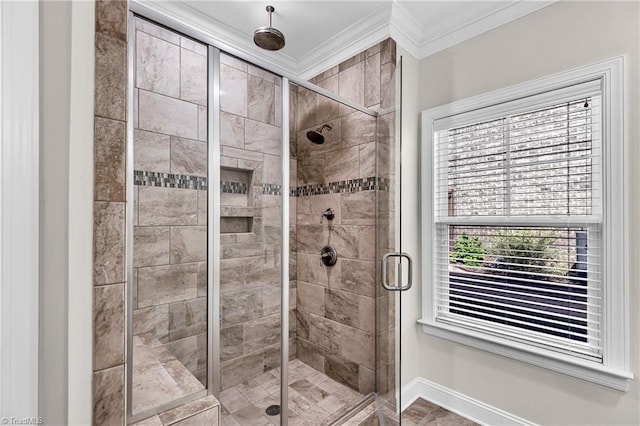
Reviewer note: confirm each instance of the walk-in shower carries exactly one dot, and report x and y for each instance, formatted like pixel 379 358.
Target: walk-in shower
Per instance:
pixel 232 293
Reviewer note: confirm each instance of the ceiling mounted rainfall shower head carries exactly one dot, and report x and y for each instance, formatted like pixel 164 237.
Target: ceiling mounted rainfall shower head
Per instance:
pixel 315 136
pixel 268 38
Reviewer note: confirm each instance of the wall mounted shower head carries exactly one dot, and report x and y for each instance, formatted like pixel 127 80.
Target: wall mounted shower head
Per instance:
pixel 268 38
pixel 315 136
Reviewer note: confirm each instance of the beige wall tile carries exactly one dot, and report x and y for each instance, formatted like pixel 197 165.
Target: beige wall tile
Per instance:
pixel 231 342
pixel 358 346
pixel 372 81
pixel 154 319
pixel 202 123
pixel 261 100
pixel 157 65
pixel 193 76
pixel 310 298
pixel 111 18
pixel 358 128
pixel 233 62
pixel 241 306
pixel 157 31
pixel 341 164
pixel 231 130
pixel 358 276
pixel 262 271
pixel 187 318
pixel 151 152
pixel 108 243
pixel 261 332
pixel 188 244
pixel 311 170
pixel 109 327
pixel 202 279
pixel 111 77
pixel 194 46
pixel 387 85
pixel 354 60
pixel 231 275
pixel 202 208
pixel 110 137
pixel 306 111
pixel 186 351
pixel 261 137
pixel 162 114
pixel 233 90
pixel 342 370
pixel 310 354
pixel 328 109
pixel 165 284
pixel 358 208
pixel 325 333
pixel 368 159
pixel 150 245
pixel 351 83
pixel 366 380
pixel 241 369
pixel 167 206
pixel 108 396
pixel 188 157
pixel 272 169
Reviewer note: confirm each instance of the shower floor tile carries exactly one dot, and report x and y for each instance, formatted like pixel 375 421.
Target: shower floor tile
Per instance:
pixel 314 398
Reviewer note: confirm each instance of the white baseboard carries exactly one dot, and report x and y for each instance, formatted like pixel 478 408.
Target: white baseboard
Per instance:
pixel 458 403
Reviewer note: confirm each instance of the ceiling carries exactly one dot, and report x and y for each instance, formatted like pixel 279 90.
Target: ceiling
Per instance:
pixel 320 34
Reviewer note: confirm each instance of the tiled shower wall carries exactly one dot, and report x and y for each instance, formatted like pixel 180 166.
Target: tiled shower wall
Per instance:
pixel 336 306
pixel 170 199
pixel 251 145
pixel 109 213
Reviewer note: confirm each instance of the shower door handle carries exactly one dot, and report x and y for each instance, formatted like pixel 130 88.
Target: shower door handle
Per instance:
pixel 398 286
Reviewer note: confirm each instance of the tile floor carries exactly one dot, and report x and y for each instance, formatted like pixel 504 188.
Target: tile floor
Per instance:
pixel 422 412
pixel 314 399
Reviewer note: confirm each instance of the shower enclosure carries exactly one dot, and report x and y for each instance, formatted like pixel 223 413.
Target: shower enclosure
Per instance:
pixel 243 184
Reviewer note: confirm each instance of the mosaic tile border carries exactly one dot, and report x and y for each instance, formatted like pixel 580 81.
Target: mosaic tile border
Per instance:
pixel 170 180
pixel 343 186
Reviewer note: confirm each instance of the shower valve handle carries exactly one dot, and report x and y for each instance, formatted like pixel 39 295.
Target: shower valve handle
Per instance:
pixel 329 214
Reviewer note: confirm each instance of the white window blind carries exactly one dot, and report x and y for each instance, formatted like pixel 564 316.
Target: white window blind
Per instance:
pixel 517 207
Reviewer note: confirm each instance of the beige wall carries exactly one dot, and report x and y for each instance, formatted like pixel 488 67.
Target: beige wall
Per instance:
pixel 557 38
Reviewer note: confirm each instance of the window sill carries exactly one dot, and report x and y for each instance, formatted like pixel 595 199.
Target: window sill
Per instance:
pixel 582 369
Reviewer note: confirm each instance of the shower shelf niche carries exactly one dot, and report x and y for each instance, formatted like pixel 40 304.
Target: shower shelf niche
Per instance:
pixel 237 211
pixel 236 220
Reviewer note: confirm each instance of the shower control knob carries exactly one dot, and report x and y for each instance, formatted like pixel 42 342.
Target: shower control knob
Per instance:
pixel 328 255
pixel 329 214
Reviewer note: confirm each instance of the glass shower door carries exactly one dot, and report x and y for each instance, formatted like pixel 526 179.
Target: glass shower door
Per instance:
pixel 166 221
pixel 394 266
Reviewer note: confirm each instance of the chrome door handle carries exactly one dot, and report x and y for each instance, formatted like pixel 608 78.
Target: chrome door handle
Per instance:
pixel 399 286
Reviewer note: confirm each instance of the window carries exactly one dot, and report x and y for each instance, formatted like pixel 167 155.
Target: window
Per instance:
pixel 522 223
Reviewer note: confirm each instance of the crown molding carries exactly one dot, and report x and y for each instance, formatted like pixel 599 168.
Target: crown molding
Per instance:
pixel 487 22
pixel 391 19
pixel 366 32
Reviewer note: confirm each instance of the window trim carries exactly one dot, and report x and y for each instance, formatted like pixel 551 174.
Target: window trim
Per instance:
pixel 614 371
